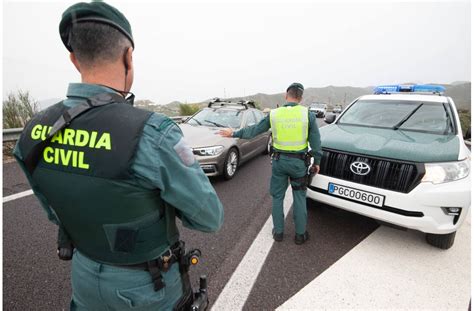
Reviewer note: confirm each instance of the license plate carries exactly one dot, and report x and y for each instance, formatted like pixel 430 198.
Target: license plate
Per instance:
pixel 356 195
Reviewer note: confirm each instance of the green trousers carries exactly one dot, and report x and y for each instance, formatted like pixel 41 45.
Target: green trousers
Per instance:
pixel 97 286
pixel 282 170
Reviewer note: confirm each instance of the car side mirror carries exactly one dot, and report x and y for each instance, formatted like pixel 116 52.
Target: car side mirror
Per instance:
pixel 330 118
pixel 467 136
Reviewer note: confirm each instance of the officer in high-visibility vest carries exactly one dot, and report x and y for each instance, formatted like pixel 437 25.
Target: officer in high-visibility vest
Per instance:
pixel 115 177
pixel 293 127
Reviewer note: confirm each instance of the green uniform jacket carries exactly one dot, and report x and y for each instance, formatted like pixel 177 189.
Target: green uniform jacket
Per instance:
pixel 314 138
pixel 162 162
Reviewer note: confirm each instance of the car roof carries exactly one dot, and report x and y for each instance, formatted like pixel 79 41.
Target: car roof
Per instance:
pixel 407 97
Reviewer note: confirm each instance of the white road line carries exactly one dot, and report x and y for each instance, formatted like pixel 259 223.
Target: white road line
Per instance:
pixel 17 196
pixel 238 288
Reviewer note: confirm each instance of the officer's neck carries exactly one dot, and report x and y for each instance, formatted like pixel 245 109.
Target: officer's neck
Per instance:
pixel 113 78
pixel 292 100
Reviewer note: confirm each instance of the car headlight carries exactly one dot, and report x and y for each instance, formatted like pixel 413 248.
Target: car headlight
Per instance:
pixel 209 151
pixel 438 173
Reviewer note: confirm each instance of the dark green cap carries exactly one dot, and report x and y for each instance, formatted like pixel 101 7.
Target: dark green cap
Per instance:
pixel 99 12
pixel 295 85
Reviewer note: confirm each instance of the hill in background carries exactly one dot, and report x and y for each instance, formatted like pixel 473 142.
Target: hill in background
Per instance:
pixel 331 95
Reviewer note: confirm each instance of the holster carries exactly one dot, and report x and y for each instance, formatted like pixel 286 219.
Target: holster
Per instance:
pixel 185 302
pixel 191 300
pixel 65 245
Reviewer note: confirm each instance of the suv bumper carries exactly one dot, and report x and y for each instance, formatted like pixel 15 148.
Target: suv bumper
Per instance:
pixel 403 209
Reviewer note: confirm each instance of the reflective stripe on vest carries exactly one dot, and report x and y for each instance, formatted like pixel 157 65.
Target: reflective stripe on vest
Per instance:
pixel 290 128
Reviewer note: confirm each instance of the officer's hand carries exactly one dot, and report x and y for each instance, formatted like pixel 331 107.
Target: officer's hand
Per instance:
pixel 226 132
pixel 316 169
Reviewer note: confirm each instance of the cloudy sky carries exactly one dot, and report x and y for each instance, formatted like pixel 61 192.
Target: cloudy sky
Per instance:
pixel 194 50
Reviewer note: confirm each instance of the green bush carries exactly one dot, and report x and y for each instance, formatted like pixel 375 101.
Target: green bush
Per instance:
pixel 18 109
pixel 465 118
pixel 188 109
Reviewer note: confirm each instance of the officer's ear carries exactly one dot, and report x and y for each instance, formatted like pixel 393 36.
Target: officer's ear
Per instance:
pixel 73 59
pixel 128 59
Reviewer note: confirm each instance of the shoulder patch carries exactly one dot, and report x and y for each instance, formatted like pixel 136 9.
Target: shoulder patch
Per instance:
pixel 184 152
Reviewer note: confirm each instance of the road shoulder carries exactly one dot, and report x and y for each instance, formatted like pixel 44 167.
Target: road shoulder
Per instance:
pixel 397 270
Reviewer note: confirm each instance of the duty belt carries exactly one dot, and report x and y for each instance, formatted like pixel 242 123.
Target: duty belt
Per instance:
pixel 158 265
pixel 301 156
pixel 163 262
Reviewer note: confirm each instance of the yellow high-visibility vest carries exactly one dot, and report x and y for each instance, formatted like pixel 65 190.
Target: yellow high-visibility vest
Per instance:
pixel 290 128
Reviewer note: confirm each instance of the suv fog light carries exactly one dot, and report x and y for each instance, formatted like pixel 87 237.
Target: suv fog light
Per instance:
pixel 452 211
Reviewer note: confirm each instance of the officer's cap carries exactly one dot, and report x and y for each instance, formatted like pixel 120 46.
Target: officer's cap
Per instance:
pixel 297 85
pixel 99 12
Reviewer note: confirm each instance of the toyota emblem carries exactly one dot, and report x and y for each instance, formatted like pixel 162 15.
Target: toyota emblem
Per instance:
pixel 360 168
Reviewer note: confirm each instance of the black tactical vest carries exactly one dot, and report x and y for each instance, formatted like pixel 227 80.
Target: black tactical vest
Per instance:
pixel 85 175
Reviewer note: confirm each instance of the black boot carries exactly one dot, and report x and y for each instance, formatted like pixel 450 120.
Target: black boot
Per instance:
pixel 301 238
pixel 278 237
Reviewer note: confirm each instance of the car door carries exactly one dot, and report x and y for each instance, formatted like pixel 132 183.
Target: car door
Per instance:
pixel 247 145
pixel 262 139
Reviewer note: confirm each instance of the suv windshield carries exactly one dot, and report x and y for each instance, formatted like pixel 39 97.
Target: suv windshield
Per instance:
pixel 217 118
pixel 428 117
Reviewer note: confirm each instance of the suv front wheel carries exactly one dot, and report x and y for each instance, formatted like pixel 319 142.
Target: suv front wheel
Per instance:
pixel 443 241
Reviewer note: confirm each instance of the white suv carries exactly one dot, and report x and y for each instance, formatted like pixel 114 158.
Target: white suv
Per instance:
pixel 398 156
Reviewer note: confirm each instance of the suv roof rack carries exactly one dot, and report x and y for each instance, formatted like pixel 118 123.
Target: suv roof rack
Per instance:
pixel 410 89
pixel 220 103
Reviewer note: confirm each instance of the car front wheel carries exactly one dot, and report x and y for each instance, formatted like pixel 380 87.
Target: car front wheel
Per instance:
pixel 231 163
pixel 443 241
pixel 269 147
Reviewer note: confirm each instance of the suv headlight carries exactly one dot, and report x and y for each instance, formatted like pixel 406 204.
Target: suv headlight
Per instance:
pixel 209 151
pixel 438 173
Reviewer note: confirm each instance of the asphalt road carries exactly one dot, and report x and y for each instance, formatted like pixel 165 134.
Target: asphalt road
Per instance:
pixel 34 279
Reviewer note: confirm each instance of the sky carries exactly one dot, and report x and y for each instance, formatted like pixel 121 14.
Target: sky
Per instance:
pixel 191 51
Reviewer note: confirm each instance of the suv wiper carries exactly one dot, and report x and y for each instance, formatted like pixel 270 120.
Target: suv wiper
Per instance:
pixel 193 118
pixel 215 123
pixel 397 126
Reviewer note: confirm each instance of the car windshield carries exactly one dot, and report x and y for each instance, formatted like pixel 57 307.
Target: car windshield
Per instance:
pixel 217 117
pixel 428 117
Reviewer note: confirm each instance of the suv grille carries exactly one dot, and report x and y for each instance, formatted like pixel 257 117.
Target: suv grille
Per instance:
pixel 385 173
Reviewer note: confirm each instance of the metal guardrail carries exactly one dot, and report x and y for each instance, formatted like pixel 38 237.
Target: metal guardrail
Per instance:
pixel 14 134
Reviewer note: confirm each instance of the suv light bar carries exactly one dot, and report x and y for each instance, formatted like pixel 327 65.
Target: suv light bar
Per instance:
pixel 416 88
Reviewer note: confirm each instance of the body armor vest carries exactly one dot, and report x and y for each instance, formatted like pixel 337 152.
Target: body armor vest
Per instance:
pixel 85 174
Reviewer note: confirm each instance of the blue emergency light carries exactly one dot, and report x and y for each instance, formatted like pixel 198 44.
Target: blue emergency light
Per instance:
pixel 416 88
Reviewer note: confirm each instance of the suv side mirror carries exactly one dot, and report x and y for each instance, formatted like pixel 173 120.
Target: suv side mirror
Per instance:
pixel 467 136
pixel 330 118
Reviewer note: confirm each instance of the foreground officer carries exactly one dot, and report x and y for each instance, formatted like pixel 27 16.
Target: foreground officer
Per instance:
pixel 114 177
pixel 292 127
